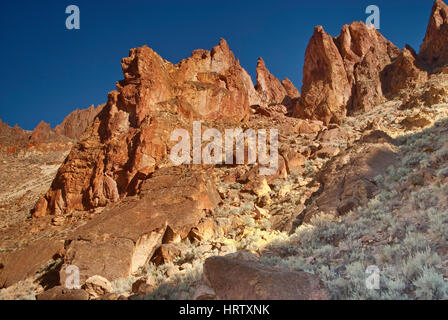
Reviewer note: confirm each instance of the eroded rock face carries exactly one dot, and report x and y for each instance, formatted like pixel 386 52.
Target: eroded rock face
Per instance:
pixel 343 75
pixel 236 279
pixel 26 262
pixel 269 88
pixel 349 180
pixel 130 136
pixel 403 73
pixel 291 90
pixel 12 138
pixel 43 133
pixel 77 122
pixel 434 49
pixel 123 239
pixel 325 90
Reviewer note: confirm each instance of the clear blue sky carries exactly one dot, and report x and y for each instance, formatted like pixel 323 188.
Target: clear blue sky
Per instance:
pixel 47 71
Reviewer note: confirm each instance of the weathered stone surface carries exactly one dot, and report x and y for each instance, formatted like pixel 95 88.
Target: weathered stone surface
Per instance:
pixel 166 253
pixel 367 89
pixel 325 90
pixel 204 292
pixel 12 138
pixel 97 286
pixel 348 179
pixel 291 90
pixel 27 262
pixel 43 133
pixel 61 293
pixel 365 53
pixel 434 49
pixel 416 121
pixel 403 73
pixel 142 286
pixel 130 136
pixel 235 279
pixel 77 122
pixel 342 75
pixel 269 88
pixel 118 242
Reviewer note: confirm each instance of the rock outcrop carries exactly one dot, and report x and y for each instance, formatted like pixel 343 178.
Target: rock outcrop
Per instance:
pixel 343 75
pixel 12 138
pixel 118 242
pixel 43 133
pixel 130 136
pixel 269 88
pixel 403 73
pixel 349 180
pixel 77 122
pixel 434 49
pixel 291 90
pixel 325 90
pixel 236 279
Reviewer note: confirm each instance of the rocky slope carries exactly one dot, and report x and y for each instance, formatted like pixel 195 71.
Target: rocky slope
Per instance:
pixel 361 180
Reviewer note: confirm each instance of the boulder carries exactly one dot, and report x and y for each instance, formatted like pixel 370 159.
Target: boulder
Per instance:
pixel 235 279
pixel 62 293
pixel 97 286
pixel 124 238
pixel 28 261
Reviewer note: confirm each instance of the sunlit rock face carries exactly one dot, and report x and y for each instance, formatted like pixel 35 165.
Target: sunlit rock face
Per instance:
pixel 434 49
pixel 130 135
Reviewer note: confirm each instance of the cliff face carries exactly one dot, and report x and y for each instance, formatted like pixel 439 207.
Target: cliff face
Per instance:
pixel 77 122
pixel 343 75
pixel 130 136
pixel 434 49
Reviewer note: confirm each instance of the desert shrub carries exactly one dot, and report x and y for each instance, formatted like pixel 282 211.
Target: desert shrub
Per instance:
pixel 416 263
pixel 424 198
pixel 438 223
pixel 414 242
pixel 442 173
pixel 430 285
pixel 123 285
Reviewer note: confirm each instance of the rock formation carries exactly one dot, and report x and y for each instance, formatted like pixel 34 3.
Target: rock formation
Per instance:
pixel 403 73
pixel 269 88
pixel 77 122
pixel 342 75
pixel 12 138
pixel 434 49
pixel 291 90
pixel 130 136
pixel 325 90
pixel 236 279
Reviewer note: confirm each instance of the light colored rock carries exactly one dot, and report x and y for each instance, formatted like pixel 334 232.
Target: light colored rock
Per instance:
pixel 97 286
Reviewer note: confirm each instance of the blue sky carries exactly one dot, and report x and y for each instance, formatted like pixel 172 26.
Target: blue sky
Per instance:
pixel 48 71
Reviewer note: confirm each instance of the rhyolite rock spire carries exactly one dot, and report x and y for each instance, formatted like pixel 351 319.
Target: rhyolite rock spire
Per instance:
pixel 325 90
pixel 434 49
pixel 343 75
